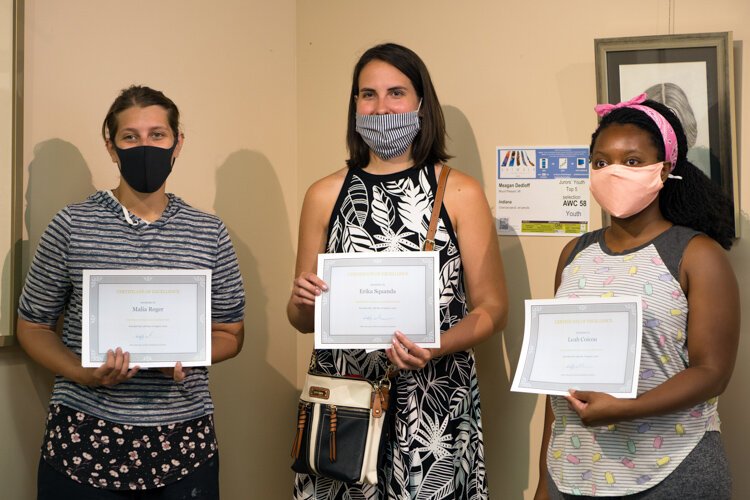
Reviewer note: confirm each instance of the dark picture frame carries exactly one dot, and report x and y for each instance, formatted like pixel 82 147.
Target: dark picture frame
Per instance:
pixel 11 126
pixel 694 75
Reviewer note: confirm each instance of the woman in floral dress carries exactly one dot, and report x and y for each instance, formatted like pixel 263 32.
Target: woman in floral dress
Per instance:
pixel 382 201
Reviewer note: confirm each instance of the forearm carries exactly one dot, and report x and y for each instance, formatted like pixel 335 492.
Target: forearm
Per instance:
pixel 301 317
pixel 476 327
pixel 45 347
pixel 688 388
pixel 226 341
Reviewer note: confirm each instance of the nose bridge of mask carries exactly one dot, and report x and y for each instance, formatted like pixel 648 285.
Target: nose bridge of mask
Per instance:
pixel 645 174
pixel 130 154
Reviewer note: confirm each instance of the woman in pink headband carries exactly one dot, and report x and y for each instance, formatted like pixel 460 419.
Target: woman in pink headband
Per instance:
pixel 668 224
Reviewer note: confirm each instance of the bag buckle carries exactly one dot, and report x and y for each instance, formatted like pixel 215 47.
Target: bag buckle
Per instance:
pixel 319 392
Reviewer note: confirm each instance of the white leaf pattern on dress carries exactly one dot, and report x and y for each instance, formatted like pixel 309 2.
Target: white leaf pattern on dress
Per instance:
pixel 395 242
pixel 413 209
pixel 424 184
pixel 356 204
pixel 333 239
pixel 449 281
pixel 382 209
pixel 355 239
pixel 434 486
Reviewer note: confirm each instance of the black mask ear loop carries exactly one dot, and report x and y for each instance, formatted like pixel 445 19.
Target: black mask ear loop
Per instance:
pixel 174 148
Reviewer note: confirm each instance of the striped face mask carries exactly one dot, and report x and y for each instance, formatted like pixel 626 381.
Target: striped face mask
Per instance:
pixel 389 136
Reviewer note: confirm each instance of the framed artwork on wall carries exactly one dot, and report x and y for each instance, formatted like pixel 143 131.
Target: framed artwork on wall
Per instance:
pixel 693 74
pixel 11 33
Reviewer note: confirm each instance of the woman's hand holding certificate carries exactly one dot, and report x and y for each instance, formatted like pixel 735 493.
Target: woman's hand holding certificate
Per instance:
pixel 596 408
pixel 406 355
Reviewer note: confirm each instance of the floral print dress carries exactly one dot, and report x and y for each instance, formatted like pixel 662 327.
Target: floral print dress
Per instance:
pixel 436 449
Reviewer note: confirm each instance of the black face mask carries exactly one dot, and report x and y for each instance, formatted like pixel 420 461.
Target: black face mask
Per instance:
pixel 145 168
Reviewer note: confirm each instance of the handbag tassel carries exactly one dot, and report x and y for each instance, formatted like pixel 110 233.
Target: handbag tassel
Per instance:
pixel 301 421
pixel 332 441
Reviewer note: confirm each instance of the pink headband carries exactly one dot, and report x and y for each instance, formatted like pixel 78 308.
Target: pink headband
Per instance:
pixel 667 132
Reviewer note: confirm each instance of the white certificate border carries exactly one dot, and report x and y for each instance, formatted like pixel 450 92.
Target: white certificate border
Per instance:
pixel 431 262
pixel 630 304
pixel 92 278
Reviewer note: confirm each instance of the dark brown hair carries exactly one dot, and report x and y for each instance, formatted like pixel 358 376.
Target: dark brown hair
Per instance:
pixel 429 145
pixel 141 96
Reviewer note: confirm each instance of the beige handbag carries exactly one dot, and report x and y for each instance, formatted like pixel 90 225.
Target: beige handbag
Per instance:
pixel 340 427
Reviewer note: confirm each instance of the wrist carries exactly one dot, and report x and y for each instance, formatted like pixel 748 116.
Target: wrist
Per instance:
pixel 84 376
pixel 627 409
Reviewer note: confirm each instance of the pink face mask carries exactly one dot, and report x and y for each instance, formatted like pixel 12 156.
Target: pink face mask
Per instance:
pixel 624 191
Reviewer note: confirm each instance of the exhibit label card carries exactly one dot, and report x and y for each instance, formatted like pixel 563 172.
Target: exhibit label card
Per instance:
pixel 371 295
pixel 591 344
pixel 158 316
pixel 542 191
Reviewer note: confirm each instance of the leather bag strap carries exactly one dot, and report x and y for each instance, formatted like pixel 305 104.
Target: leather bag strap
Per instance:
pixel 429 242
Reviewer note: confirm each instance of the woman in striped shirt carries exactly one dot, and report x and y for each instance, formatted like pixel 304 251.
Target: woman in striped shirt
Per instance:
pixel 117 428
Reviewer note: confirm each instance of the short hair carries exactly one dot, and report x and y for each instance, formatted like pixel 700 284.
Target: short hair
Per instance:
pixel 429 144
pixel 140 96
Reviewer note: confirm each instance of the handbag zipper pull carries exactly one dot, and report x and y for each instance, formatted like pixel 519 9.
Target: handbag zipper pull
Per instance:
pixel 332 442
pixel 301 421
pixel 385 396
pixel 380 397
pixel 376 402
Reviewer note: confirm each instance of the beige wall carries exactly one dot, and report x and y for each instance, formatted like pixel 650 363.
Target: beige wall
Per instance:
pixel 263 90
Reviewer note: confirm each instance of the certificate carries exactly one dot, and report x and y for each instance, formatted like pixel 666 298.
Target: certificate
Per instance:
pixel 158 316
pixel 590 344
pixel 371 295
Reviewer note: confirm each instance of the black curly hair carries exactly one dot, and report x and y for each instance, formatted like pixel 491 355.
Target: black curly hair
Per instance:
pixel 695 201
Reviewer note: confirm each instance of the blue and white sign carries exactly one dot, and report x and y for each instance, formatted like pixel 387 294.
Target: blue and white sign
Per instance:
pixel 542 191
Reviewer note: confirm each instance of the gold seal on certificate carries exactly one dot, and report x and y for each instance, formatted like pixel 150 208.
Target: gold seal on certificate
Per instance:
pixel 590 344
pixel 371 295
pixel 158 316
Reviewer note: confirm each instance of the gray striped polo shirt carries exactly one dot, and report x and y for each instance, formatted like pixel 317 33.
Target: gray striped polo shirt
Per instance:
pixel 95 234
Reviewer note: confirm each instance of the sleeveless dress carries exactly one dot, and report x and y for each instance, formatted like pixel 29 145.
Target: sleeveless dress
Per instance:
pixel 436 449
